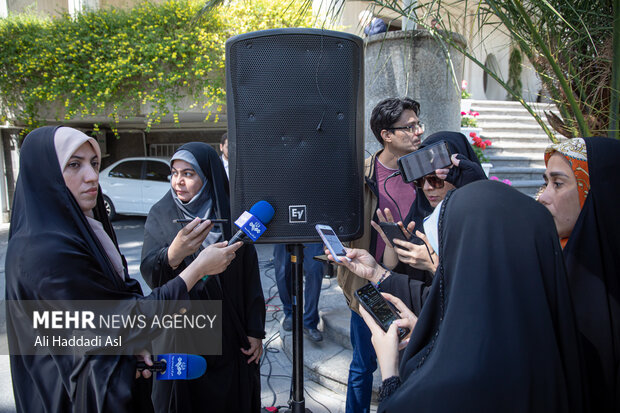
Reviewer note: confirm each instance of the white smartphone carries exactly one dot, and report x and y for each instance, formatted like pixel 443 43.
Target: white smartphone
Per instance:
pixel 332 242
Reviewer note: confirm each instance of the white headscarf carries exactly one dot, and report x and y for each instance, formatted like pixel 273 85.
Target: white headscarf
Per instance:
pixel 66 142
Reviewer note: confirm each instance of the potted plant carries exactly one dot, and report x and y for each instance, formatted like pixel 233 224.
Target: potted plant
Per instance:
pixel 469 124
pixel 479 146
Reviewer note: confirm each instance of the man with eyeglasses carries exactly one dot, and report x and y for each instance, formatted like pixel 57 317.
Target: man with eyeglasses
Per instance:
pixel 395 124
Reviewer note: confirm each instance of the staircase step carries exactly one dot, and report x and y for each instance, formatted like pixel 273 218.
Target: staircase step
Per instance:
pixel 515 174
pixel 327 362
pixel 534 161
pixel 517 149
pixel 499 141
pixel 336 326
pixel 528 187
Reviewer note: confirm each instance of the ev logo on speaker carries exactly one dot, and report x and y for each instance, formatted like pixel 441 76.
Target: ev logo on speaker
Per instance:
pixel 297 214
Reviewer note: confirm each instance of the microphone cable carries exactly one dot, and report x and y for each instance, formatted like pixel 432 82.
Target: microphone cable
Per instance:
pixel 400 214
pixel 388 194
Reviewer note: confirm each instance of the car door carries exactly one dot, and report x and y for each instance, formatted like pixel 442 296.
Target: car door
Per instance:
pixel 155 184
pixel 125 187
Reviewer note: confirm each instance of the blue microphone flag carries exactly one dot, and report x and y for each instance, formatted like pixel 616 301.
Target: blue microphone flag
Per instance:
pixel 182 367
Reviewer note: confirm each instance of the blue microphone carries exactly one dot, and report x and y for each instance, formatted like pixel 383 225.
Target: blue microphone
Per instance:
pixel 252 223
pixel 175 366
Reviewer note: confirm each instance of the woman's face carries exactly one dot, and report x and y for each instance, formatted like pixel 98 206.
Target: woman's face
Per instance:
pixel 436 195
pixel 185 181
pixel 561 196
pixel 81 176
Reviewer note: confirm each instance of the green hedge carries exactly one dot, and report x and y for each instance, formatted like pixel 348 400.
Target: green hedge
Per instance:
pixel 110 62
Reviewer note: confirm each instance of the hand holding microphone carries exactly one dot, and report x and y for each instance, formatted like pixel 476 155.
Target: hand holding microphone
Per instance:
pixel 252 224
pixel 176 366
pixel 187 241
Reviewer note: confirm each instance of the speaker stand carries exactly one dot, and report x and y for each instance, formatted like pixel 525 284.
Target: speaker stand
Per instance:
pixel 297 402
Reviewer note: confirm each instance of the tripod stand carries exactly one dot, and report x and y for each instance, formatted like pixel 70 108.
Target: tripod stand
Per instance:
pixel 297 403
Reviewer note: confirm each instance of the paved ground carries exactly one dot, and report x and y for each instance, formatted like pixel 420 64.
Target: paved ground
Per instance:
pixel 276 368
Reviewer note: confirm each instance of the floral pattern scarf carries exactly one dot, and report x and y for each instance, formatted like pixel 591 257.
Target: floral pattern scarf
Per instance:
pixel 574 150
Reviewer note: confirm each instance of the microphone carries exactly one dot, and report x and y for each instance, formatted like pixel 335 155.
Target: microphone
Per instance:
pixel 175 366
pixel 252 224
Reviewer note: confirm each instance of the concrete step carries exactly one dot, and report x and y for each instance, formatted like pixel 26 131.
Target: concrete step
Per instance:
pixel 509 105
pixel 516 139
pixel 515 174
pixel 527 149
pixel 535 161
pixel 529 187
pixel 327 362
pixel 517 127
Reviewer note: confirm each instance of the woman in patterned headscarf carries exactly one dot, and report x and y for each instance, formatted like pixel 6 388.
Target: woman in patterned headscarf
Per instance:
pixel 581 192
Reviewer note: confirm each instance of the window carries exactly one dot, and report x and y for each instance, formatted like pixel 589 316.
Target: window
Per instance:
pixel 128 170
pixel 157 171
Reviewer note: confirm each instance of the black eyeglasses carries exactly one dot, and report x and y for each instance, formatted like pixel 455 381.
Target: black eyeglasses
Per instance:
pixel 433 180
pixel 411 129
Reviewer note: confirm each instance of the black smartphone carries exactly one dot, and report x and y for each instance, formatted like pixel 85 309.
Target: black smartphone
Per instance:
pixel 187 221
pixel 394 231
pixel 424 161
pixel 322 258
pixel 381 309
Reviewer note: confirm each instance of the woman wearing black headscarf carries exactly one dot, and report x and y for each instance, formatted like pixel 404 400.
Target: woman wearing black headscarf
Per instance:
pixel 497 332
pixel 62 248
pixel 414 264
pixel 582 194
pixel 199 189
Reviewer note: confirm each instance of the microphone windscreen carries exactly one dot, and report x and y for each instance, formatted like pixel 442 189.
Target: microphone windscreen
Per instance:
pixel 181 366
pixel 196 366
pixel 263 211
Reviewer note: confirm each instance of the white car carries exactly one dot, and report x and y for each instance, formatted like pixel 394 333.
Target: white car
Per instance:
pixel 132 186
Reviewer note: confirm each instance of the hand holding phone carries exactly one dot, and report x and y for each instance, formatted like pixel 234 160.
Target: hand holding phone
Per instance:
pixel 331 241
pixel 381 310
pixel 393 231
pixel 187 220
pixel 424 161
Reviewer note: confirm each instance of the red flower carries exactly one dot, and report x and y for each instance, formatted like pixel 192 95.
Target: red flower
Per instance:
pixel 472 135
pixel 463 113
pixel 487 143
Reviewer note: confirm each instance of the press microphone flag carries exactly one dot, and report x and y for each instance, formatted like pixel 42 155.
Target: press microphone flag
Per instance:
pixel 253 223
pixel 175 366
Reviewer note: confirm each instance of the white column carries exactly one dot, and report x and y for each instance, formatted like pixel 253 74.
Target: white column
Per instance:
pixel 409 24
pixel 4 9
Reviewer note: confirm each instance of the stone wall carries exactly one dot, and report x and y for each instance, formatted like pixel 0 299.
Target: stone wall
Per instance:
pixel 413 64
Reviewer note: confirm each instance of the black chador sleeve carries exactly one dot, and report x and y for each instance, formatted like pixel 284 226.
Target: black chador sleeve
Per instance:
pixel 253 294
pixel 159 232
pixel 411 291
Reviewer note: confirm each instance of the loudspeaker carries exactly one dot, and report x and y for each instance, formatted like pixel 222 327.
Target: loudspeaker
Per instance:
pixel 295 130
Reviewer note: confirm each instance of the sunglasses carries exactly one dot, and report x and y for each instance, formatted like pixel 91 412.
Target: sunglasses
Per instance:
pixel 433 180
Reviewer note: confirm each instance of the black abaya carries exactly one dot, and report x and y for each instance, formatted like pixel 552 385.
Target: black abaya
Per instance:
pixel 497 332
pixel 593 266
pixel 230 384
pixel 413 285
pixel 53 254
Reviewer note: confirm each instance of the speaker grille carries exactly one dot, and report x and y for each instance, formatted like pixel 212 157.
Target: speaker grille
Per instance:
pixel 295 136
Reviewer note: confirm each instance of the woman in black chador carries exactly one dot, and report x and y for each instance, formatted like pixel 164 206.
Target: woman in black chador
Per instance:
pixel 497 332
pixel 199 190
pixel 62 247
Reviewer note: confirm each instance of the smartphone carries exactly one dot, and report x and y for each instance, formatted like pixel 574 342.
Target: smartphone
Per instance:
pixel 322 258
pixel 394 231
pixel 332 242
pixel 187 221
pixel 379 308
pixel 424 161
